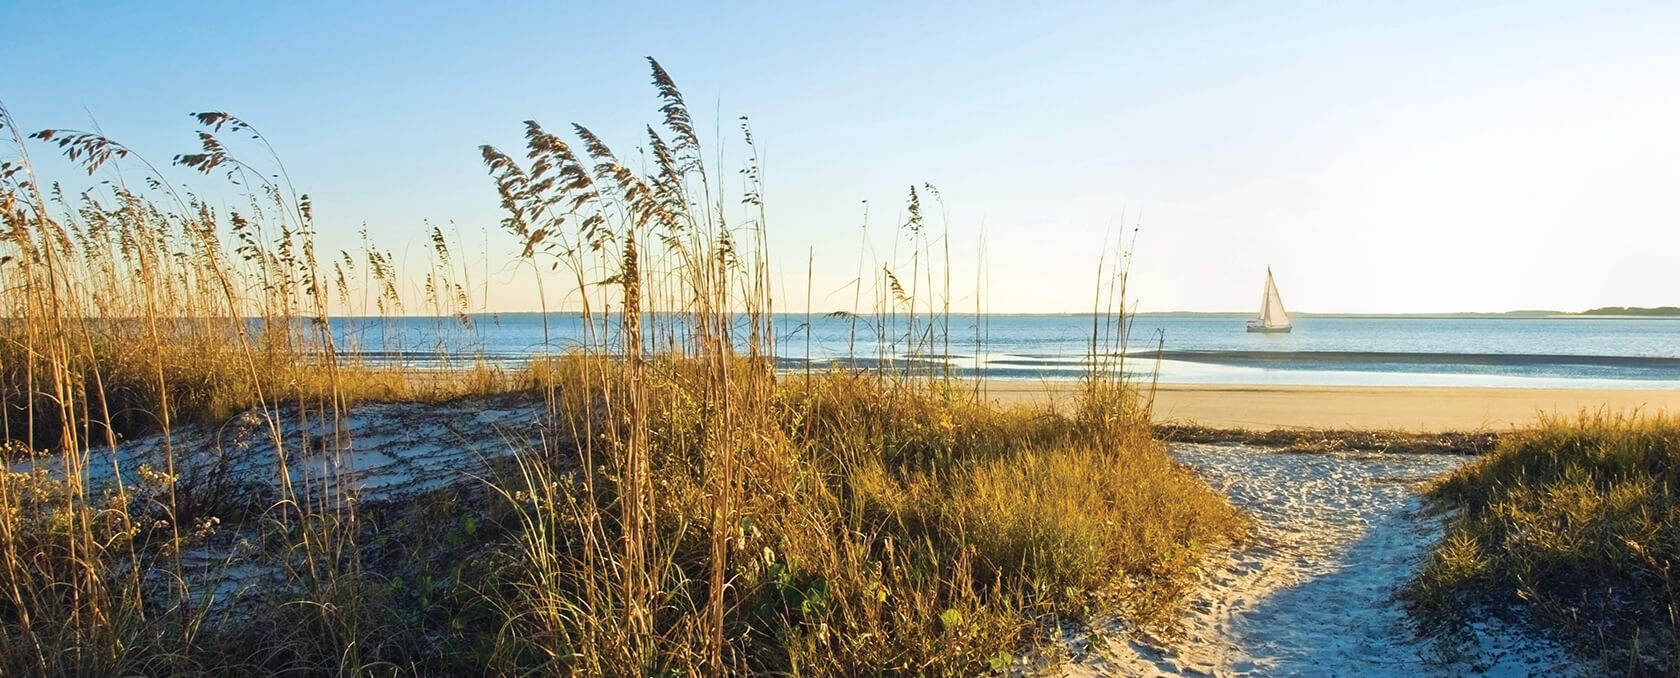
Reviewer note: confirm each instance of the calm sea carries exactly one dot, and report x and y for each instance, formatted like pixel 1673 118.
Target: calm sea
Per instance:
pixel 1586 352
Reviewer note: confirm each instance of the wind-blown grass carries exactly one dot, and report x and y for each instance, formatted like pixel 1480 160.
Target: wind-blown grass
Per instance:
pixel 1579 523
pixel 688 511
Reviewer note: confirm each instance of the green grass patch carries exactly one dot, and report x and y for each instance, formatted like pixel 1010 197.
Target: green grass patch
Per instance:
pixel 1578 522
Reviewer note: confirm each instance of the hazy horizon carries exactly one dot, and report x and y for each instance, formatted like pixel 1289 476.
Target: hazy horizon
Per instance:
pixel 1381 159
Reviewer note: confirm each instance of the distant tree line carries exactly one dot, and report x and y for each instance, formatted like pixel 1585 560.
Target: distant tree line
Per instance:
pixel 1634 310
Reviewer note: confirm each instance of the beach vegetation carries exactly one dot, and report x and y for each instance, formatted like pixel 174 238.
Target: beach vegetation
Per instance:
pixel 683 506
pixel 1576 525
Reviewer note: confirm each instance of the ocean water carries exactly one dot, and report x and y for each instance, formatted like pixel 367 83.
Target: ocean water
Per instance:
pixel 1557 351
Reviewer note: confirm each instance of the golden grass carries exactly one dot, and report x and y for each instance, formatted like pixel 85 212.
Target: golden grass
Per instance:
pixel 882 529
pixel 691 510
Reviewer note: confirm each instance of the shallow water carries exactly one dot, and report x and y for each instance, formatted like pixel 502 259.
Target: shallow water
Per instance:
pixel 1561 351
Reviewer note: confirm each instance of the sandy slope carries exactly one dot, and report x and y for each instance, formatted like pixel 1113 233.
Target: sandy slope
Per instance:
pixel 1313 593
pixel 1405 408
pixel 375 452
pixel 385 452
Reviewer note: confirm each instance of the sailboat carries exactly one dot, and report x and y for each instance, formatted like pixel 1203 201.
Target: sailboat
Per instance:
pixel 1272 316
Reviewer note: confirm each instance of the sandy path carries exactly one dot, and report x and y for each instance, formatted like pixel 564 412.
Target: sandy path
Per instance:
pixel 1313 593
pixel 1403 408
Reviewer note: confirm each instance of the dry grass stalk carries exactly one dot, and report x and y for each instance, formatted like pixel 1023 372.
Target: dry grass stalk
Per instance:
pixel 692 511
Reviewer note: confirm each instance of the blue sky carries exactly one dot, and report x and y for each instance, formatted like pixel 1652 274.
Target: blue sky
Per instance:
pixel 1381 157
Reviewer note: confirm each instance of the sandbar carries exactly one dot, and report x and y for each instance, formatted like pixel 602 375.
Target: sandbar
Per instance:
pixel 1388 408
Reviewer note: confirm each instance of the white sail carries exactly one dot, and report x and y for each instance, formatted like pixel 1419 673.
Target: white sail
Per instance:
pixel 1271 306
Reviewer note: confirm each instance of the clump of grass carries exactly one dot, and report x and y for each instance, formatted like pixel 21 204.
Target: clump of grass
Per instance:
pixel 1577 521
pixel 882 528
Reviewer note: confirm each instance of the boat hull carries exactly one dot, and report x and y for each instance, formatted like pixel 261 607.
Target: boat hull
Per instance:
pixel 1269 330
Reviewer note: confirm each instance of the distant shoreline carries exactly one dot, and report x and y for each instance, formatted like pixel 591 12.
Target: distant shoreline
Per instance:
pixel 1635 311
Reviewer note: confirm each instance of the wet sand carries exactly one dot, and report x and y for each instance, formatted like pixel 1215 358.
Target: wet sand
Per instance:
pixel 1398 408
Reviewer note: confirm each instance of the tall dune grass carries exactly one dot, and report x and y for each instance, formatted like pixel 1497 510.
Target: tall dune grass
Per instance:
pixel 692 511
pixel 841 524
pixel 133 308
